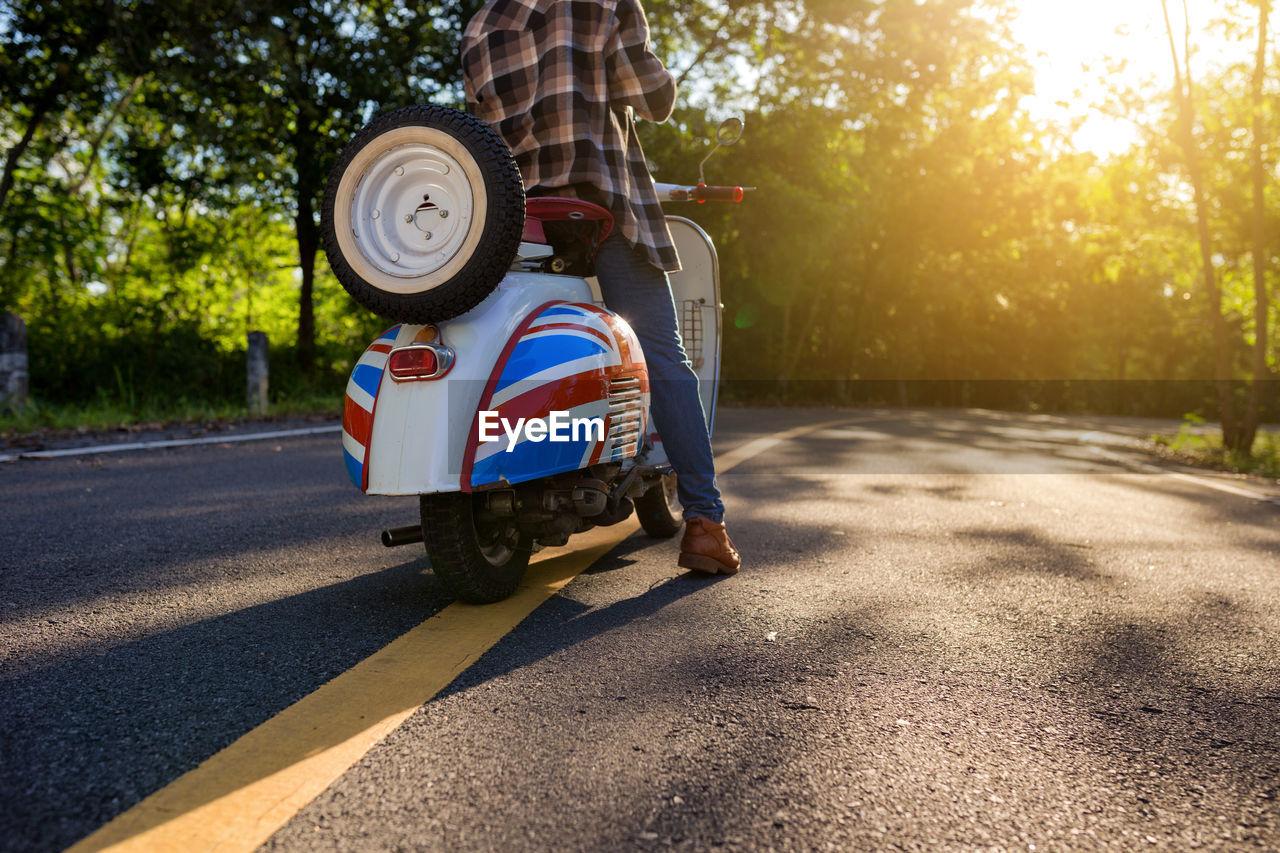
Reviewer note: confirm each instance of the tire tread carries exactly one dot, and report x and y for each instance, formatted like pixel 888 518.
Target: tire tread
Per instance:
pixel 503 227
pixel 449 535
pixel 655 515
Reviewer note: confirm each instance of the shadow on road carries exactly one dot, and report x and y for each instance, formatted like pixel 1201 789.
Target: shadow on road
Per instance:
pixel 80 531
pixel 562 623
pixel 1023 551
pixel 1172 702
pixel 105 730
pixel 1150 696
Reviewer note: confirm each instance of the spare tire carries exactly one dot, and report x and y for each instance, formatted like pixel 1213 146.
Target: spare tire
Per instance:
pixel 423 214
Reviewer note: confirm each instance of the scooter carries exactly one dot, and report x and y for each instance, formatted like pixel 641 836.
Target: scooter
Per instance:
pixel 507 396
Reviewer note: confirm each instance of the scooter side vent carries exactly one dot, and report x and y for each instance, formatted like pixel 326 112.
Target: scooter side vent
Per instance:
pixel 626 413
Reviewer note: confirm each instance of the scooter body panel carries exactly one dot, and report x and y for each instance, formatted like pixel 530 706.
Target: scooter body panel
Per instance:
pixel 519 354
pixel 574 359
pixel 418 431
pixel 696 289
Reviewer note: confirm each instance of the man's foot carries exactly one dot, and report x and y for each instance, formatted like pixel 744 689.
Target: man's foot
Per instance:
pixel 707 548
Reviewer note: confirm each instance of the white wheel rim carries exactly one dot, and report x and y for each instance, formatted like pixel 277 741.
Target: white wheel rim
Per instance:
pixel 500 551
pixel 409 210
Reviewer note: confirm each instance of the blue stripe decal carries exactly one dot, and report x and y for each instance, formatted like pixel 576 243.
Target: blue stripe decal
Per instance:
pixel 355 468
pixel 530 357
pixel 560 348
pixel 563 311
pixel 529 461
pixel 367 378
pixel 389 334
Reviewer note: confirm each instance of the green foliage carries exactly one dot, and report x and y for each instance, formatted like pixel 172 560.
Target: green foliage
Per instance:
pixel 915 237
pixel 1195 445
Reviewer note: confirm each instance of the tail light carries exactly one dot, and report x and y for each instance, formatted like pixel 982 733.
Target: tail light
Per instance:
pixel 419 362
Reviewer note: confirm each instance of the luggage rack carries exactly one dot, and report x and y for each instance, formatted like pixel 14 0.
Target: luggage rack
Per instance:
pixel 691 329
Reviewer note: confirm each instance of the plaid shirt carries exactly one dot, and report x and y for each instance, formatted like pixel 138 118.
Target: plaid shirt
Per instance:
pixel 559 80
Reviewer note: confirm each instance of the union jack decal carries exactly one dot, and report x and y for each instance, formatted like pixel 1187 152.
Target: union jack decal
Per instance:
pixel 567 357
pixel 362 399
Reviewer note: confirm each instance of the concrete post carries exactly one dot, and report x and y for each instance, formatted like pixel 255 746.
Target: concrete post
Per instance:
pixel 14 379
pixel 257 373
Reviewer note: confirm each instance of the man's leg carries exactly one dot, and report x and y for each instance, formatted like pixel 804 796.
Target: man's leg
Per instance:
pixel 641 294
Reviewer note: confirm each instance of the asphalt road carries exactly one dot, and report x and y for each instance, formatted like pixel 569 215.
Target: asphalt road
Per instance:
pixel 953 631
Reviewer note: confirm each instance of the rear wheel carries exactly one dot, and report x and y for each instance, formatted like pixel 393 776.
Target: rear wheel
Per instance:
pixel 423 214
pixel 659 509
pixel 479 557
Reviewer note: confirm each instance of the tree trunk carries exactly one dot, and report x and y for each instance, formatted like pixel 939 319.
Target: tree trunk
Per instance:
pixel 1186 134
pixel 803 340
pixel 308 185
pixel 1261 251
pixel 14 154
pixel 308 234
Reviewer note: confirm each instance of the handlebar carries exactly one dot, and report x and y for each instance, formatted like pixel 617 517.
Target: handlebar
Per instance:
pixel 700 193
pixel 705 193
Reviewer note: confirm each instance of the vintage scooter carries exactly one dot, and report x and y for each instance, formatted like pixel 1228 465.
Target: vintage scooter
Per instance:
pixel 508 397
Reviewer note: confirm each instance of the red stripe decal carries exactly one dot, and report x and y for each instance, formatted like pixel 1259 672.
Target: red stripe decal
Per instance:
pixel 469 460
pixel 368 445
pixel 561 395
pixel 357 422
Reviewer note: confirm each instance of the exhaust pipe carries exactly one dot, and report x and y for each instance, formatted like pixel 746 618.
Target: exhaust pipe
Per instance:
pixel 398 536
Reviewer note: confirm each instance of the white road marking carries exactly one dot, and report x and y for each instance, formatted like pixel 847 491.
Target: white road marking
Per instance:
pixel 754 448
pixel 1207 482
pixel 177 442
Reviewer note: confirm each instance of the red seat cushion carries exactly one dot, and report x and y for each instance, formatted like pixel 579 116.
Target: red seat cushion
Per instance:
pixel 542 209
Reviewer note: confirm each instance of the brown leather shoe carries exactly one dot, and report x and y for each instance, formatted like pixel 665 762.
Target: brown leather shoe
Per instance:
pixel 707 548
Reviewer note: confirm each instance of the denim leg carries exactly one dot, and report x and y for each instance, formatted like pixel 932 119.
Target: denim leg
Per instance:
pixel 641 294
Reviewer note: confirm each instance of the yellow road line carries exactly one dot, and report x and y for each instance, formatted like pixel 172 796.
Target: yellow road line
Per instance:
pixel 238 798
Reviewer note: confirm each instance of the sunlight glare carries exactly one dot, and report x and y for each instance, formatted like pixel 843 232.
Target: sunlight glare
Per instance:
pixel 1080 49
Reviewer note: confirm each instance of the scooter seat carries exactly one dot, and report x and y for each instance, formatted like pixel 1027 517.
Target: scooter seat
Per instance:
pixel 572 227
pixel 540 210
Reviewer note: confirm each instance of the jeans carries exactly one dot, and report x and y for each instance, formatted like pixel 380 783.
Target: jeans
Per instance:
pixel 640 293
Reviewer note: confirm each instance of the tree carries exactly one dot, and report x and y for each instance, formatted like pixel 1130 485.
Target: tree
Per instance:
pixel 1261 243
pixel 45 65
pixel 1185 130
pixel 278 89
pixel 1210 121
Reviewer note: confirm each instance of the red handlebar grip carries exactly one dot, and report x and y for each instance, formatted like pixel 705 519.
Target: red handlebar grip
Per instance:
pixel 705 193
